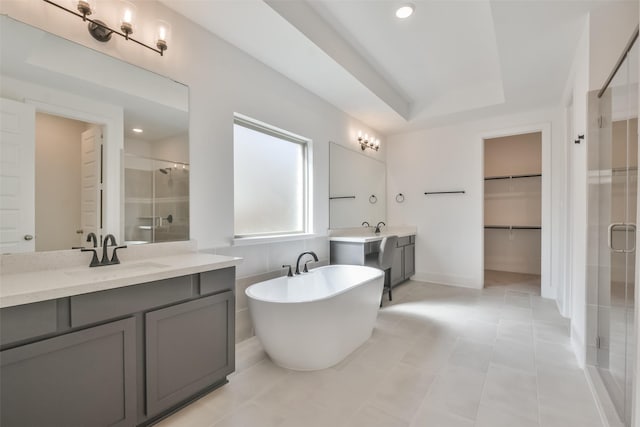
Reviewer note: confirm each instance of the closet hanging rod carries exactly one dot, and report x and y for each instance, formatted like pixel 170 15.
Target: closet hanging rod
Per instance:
pixel 626 50
pixel 533 175
pixel 342 197
pixel 513 227
pixel 426 193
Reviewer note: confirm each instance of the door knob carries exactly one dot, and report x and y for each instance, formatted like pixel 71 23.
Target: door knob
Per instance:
pixel 28 237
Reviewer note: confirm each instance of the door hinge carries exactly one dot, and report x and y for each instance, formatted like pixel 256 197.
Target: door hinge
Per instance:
pixel 598 342
pixel 600 121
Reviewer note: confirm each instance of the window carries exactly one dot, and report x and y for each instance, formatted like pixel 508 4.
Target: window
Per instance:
pixel 270 180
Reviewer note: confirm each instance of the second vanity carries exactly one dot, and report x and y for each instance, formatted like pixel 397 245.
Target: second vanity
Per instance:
pixel 120 345
pixel 357 246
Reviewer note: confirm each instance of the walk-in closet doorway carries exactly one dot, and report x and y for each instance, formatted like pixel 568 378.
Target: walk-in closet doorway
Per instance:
pixel 513 212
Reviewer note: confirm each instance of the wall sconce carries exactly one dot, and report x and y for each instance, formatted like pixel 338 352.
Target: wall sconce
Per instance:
pixel 102 32
pixel 367 141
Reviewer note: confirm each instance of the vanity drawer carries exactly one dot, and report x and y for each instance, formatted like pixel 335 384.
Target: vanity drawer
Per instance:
pixel 217 281
pixel 27 321
pixel 372 247
pixel 404 241
pixel 104 305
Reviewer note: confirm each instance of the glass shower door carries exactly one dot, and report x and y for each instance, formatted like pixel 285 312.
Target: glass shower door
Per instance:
pixel 613 185
pixel 156 200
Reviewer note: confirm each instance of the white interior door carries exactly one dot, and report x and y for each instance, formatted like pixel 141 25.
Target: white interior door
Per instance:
pixel 17 176
pixel 90 198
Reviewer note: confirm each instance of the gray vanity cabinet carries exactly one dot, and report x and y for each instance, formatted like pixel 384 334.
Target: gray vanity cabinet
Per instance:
pixel 189 348
pixel 409 260
pixel 84 378
pixel 397 274
pixel 366 253
pixel 404 260
pixel 120 357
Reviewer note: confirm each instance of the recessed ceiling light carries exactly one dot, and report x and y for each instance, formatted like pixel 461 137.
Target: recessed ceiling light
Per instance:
pixel 137 130
pixel 405 11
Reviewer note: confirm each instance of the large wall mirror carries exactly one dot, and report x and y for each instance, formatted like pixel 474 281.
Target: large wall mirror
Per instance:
pixel 89 144
pixel 357 188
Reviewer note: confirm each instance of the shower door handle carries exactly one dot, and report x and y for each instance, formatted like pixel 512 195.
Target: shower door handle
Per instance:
pixel 625 227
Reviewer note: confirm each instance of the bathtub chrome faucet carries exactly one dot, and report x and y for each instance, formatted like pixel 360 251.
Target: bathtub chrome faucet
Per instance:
pixel 305 270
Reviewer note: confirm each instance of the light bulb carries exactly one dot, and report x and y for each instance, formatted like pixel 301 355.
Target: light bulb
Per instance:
pixel 162 35
pixel 128 17
pixel 405 11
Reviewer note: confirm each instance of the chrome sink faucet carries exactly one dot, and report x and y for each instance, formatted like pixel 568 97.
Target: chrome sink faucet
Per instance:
pixel 377 230
pixel 305 270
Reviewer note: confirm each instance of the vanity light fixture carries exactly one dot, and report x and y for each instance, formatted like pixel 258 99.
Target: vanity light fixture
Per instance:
pixel 405 11
pixel 127 18
pixel 367 141
pixel 102 32
pixel 137 130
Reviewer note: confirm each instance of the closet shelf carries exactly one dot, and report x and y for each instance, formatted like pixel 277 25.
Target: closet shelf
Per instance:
pixel 533 175
pixel 512 227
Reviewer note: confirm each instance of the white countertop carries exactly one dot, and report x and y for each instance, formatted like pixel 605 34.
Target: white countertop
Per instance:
pixel 364 235
pixel 34 286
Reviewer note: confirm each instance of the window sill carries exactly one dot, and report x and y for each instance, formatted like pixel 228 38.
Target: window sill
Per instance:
pixel 259 240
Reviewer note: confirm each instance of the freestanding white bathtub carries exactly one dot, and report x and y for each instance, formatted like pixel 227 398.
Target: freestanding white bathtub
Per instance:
pixel 314 320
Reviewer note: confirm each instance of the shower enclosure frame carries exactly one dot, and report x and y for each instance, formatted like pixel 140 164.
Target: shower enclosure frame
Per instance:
pixel 612 162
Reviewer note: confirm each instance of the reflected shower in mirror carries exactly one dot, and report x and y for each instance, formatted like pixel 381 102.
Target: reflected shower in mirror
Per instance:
pixel 357 188
pixel 78 110
pixel 156 200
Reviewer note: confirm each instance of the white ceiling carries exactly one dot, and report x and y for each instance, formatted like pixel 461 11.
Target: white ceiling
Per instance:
pixel 452 60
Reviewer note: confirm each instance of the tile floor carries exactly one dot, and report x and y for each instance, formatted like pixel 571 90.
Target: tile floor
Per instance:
pixel 440 356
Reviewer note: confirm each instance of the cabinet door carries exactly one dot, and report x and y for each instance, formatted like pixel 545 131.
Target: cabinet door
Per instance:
pixel 397 273
pixel 409 261
pixel 83 379
pixel 189 347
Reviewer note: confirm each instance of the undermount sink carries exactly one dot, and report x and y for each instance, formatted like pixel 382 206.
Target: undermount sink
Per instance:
pixel 147 265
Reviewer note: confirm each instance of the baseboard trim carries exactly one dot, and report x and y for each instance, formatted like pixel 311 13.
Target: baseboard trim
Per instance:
pixel 606 409
pixel 444 279
pixel 579 349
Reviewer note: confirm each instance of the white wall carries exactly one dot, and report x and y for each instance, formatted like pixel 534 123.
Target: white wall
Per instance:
pixel 222 80
pixel 449 244
pixel 575 176
pixel 175 148
pixel 138 147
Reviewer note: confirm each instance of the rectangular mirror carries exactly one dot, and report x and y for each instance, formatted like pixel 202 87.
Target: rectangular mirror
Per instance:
pixel 90 144
pixel 357 188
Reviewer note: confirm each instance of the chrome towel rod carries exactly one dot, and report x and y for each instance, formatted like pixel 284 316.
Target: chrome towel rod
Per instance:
pixel 444 192
pixel 533 175
pixel 342 197
pixel 512 227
